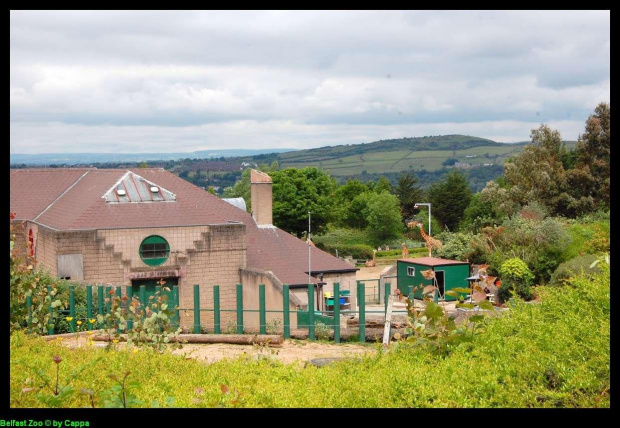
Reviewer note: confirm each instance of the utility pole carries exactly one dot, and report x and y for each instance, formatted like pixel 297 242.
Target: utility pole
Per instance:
pixel 309 249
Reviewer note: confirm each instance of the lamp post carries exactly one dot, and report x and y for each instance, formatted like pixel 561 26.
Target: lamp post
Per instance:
pixel 309 249
pixel 429 214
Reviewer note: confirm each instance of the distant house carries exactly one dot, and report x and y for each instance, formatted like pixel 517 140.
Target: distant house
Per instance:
pixel 462 165
pixel 134 227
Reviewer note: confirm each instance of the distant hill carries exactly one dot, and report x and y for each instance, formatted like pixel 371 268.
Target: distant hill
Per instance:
pixel 430 158
pixel 91 158
pixel 388 156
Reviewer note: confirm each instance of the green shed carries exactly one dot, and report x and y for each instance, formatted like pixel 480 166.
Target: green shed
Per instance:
pixel 449 274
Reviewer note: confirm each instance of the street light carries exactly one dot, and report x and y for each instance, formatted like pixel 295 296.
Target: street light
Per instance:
pixel 429 214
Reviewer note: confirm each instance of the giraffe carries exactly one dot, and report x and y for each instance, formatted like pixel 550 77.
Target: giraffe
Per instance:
pixel 430 241
pixel 373 262
pixel 405 251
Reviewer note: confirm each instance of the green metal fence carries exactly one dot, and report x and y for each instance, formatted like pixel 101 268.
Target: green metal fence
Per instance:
pixel 87 314
pixel 306 319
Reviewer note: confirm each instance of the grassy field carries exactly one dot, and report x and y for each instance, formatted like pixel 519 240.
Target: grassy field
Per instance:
pixel 552 354
pixel 382 157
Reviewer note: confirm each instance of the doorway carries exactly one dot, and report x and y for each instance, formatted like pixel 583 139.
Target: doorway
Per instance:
pixel 151 285
pixel 441 281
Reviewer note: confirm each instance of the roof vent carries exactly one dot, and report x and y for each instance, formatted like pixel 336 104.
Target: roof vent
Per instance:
pixel 154 189
pixel 121 192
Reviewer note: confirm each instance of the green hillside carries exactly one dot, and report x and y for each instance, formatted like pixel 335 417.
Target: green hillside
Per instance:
pixel 404 154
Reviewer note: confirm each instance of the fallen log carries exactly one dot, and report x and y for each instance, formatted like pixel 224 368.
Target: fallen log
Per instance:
pixel 236 339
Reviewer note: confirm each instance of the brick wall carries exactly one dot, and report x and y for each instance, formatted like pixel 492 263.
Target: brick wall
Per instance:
pixel 204 255
pixel 251 279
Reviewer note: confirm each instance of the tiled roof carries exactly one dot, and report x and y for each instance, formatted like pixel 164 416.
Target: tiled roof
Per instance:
pixel 432 261
pixel 83 207
pixel 271 248
pixel 33 190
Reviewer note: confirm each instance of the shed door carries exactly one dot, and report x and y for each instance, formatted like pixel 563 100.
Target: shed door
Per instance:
pixel 151 287
pixel 441 281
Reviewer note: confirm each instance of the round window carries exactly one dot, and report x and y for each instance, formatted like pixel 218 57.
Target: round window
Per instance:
pixel 154 250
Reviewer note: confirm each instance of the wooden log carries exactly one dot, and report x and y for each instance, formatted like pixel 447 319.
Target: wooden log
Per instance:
pixel 238 339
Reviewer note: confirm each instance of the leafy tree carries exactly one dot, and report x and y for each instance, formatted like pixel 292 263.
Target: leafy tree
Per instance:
pixel 384 220
pixel 567 183
pixel 408 192
pixel 357 213
pixel 479 213
pixel 348 191
pixel 242 188
pixel 593 155
pixel 538 174
pixel 449 199
pixel 297 191
pixel 383 185
pixel 343 198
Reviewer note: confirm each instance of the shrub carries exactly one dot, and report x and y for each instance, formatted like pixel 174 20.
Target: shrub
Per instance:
pixel 516 276
pixel 526 357
pixel 575 266
pixel 357 251
pixel 322 330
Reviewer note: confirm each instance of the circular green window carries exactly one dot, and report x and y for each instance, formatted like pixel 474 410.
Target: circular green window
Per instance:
pixel 154 250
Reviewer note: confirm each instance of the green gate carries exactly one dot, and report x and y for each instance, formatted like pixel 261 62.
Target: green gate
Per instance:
pixel 151 287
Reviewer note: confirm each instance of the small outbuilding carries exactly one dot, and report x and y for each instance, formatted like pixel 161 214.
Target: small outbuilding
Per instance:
pixel 448 273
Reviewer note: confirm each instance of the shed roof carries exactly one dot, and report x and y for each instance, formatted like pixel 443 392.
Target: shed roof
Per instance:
pixel 433 261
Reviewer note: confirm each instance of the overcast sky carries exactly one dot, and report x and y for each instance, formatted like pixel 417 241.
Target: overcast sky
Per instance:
pixel 176 81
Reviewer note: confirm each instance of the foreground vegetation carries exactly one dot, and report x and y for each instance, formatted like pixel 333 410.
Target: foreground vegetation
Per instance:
pixel 552 354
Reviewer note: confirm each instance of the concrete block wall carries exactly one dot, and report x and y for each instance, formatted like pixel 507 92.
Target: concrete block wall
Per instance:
pixel 204 255
pixel 251 279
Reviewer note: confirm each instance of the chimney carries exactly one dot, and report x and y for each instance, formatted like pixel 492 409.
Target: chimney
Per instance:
pixel 260 187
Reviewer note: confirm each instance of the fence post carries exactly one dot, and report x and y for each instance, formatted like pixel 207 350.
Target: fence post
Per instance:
pixel 89 306
pixel 50 323
pixel 336 312
pixel 143 301
pixel 239 309
pixel 216 310
pixel 410 296
pixel 196 309
pixel 100 301
pixel 29 305
pixel 286 314
pixel 388 291
pixel 72 307
pixel 129 293
pixel 311 311
pixel 175 305
pixel 262 315
pixel 108 306
pixel 361 299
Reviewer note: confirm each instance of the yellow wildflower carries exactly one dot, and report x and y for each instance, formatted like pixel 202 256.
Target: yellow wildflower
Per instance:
pixel 79 323
pixel 69 319
pixel 92 320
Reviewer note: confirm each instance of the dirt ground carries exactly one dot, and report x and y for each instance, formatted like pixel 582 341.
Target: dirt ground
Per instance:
pixel 290 351
pixel 369 272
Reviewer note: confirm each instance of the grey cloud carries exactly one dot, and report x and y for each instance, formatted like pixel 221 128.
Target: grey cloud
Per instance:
pixel 328 69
